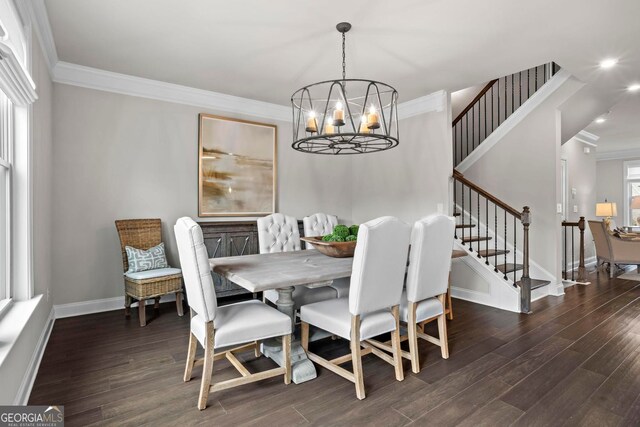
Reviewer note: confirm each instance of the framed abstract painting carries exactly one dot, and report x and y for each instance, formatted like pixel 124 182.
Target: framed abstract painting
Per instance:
pixel 236 167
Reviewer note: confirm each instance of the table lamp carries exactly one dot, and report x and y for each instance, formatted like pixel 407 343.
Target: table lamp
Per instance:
pixel 606 210
pixel 635 204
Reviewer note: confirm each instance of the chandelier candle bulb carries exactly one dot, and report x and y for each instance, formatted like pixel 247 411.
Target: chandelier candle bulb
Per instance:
pixel 338 115
pixel 373 122
pixel 328 128
pixel 312 125
pixel 364 126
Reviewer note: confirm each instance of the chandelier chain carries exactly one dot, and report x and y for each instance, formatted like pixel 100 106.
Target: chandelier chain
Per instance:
pixel 344 60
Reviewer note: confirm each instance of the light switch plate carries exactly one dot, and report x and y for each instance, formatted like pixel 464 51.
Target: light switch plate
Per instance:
pixel 440 208
pixel 559 208
pixel 575 208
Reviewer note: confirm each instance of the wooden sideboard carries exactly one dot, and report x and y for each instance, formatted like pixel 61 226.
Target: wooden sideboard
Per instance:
pixel 231 238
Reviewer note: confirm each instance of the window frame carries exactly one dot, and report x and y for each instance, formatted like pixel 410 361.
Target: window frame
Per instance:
pixel 6 162
pixel 626 183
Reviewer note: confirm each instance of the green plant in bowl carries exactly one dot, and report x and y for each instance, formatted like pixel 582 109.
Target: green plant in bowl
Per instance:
pixel 354 230
pixel 351 238
pixel 341 231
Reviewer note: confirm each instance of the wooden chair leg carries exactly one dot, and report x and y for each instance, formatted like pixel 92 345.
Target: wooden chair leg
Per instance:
pixel 413 338
pixel 442 330
pixel 127 306
pixel 395 344
pixel 356 357
pixel 286 350
pixel 191 357
pixel 156 303
pixel 304 335
pixel 207 371
pixel 449 306
pixel 179 305
pixel 141 312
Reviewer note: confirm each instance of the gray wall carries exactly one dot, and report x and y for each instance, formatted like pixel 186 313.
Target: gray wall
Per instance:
pixel 118 156
pixel 412 179
pixel 610 185
pixel 581 176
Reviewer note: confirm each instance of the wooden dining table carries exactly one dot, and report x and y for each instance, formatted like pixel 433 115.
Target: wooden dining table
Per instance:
pixel 283 272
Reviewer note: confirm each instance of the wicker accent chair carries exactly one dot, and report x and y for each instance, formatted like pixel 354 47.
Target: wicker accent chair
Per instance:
pixel 145 234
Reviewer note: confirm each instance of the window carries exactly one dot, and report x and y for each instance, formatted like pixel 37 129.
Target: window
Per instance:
pixel 632 193
pixel 6 148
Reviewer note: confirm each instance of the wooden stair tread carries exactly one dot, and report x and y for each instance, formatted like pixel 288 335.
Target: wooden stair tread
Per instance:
pixel 509 267
pixel 476 239
pixel 535 283
pixel 465 225
pixel 492 252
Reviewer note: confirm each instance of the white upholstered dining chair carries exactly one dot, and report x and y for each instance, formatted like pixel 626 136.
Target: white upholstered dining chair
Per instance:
pixel 279 233
pixel 320 224
pixel 427 283
pixel 372 308
pixel 221 331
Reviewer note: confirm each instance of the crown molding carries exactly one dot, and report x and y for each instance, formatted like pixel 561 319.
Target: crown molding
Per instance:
pixel 37 11
pixel 435 101
pixel 583 134
pixel 93 78
pixel 618 155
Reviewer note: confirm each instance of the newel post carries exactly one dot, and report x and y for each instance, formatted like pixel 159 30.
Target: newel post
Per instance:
pixel 525 288
pixel 582 271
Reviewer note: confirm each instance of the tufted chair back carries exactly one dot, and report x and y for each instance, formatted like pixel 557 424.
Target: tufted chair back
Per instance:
pixel 430 257
pixel 196 270
pixel 278 233
pixel 318 224
pixel 379 263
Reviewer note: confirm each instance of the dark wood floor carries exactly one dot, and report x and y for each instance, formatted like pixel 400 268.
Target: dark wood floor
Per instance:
pixel 575 361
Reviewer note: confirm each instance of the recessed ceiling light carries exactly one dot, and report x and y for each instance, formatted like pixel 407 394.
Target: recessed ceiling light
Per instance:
pixel 601 120
pixel 634 87
pixel 608 63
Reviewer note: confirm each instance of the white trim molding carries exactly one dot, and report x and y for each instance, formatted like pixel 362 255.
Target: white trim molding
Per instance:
pixel 618 155
pixel 515 118
pixel 37 11
pixel 93 78
pixel 99 305
pixel 435 101
pixel 22 397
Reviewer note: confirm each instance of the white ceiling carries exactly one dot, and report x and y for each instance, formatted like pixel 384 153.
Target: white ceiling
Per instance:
pixel 265 50
pixel 621 131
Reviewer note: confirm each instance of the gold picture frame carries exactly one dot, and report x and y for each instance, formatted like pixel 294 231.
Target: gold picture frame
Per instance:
pixel 237 167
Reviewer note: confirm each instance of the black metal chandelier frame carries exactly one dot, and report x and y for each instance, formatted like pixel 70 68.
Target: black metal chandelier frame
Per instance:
pixel 357 132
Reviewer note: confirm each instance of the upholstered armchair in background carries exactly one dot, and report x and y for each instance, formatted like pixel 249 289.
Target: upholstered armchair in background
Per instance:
pixel 612 249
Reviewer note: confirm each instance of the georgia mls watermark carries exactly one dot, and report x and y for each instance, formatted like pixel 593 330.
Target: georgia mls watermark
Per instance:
pixel 31 416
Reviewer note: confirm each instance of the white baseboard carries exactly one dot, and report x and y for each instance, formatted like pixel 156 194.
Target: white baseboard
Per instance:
pixel 22 398
pixel 99 306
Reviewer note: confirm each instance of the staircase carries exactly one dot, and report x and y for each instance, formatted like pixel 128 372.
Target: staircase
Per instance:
pixel 495 234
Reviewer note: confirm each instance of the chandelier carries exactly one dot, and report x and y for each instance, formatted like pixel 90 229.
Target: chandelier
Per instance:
pixel 345 116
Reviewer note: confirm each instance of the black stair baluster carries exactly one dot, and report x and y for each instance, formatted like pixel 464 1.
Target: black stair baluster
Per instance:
pixel 455 209
pixel 515 247
pixel 485 116
pixel 564 273
pixel 462 212
pixel 573 255
pixel 520 89
pixel 506 79
pixel 466 116
pixel 473 128
pixel 512 96
pixel 486 231
pixel 470 222
pixel 478 223
pixel 505 245
pixel 492 110
pixel 495 237
pixel 528 82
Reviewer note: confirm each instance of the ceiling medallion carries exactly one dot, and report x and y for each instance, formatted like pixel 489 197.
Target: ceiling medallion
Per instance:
pixel 345 116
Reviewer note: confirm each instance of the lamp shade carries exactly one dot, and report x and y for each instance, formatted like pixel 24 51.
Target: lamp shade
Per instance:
pixel 606 209
pixel 635 202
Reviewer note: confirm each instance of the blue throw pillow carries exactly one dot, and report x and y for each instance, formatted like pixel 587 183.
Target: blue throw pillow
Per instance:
pixel 141 260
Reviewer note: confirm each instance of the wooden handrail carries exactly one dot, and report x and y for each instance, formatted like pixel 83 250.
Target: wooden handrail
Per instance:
pixel 459 177
pixel 472 103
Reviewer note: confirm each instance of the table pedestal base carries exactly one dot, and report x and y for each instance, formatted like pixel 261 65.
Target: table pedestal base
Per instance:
pixel 302 368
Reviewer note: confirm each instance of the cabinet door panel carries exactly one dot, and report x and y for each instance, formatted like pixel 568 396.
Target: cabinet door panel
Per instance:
pixel 237 244
pixel 216 249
